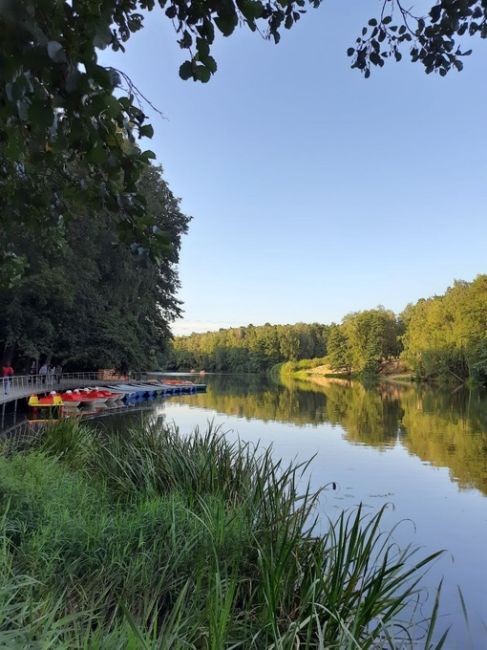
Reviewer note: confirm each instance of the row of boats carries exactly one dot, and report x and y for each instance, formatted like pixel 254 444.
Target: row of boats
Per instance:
pixel 111 395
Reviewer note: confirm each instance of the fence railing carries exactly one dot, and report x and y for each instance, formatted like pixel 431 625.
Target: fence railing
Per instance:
pixel 27 383
pixel 24 382
pixel 21 385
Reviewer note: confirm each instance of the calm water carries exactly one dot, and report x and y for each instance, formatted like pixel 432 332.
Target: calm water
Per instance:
pixel 424 452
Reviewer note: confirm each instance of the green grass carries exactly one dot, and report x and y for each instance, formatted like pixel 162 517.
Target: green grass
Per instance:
pixel 152 539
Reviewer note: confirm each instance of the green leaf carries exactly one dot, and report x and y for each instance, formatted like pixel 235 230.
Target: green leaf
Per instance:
pixel 202 73
pixel 147 155
pixel 203 48
pixel 435 13
pixel 186 41
pixel 146 131
pixel 186 70
pixel 226 24
pixel 211 64
pixel 251 9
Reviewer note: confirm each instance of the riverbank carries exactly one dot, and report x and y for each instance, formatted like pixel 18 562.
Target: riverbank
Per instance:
pixel 392 371
pixel 151 539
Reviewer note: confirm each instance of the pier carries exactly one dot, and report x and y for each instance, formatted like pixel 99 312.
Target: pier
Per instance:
pixel 20 387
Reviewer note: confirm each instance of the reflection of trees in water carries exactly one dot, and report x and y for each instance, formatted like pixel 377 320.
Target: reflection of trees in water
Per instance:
pixel 255 397
pixel 443 428
pixel 449 430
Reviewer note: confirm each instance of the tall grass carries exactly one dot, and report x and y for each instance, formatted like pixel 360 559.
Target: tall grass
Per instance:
pixel 152 539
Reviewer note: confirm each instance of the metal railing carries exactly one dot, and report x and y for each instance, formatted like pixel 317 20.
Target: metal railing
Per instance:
pixel 24 382
pixel 19 386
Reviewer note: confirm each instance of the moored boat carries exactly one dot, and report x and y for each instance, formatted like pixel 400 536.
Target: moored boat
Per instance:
pixel 70 399
pixel 51 400
pixel 90 397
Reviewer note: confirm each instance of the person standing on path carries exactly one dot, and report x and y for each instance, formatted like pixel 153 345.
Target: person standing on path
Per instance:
pixel 43 372
pixel 7 374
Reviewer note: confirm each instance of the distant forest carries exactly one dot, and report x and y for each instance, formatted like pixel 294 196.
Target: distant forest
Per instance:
pixel 443 337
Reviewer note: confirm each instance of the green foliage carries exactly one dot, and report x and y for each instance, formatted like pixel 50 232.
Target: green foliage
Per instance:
pixel 339 353
pixel 85 298
pixel 446 336
pixel 157 540
pixel 364 340
pixel 291 367
pixel 59 105
pixel 433 38
pixel 249 349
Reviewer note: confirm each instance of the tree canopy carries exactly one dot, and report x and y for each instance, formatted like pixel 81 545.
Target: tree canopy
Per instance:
pixel 447 335
pixel 83 298
pixel 58 104
pixel 248 349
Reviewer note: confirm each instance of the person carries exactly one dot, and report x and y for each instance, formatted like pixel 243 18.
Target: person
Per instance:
pixel 7 373
pixel 43 372
pixel 32 372
pixel 59 373
pixel 124 368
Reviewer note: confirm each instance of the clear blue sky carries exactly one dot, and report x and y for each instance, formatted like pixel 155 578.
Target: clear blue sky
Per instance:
pixel 315 192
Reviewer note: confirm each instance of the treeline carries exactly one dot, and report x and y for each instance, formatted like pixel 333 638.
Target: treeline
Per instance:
pixel 444 338
pixel 248 349
pixel 82 296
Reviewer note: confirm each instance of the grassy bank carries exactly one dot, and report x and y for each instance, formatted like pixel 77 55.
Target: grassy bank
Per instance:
pixel 392 371
pixel 155 540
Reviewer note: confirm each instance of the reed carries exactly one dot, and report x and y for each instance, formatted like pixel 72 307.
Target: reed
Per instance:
pixel 153 539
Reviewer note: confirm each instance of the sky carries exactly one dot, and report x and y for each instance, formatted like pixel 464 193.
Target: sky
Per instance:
pixel 313 191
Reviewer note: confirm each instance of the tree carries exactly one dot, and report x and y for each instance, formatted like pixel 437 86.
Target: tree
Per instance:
pixel 446 336
pixel 85 298
pixel 57 103
pixel 339 353
pixel 372 336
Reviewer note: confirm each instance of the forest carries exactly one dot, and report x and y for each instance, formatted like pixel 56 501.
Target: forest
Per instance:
pixel 77 294
pixel 248 349
pixel 439 338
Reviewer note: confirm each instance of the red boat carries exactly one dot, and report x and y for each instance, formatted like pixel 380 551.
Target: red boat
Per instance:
pixel 70 399
pixel 90 397
pixel 52 400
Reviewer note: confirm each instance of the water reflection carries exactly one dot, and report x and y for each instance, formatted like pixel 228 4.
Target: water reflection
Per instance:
pixel 443 428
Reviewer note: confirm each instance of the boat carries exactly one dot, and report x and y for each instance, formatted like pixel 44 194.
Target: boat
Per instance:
pixel 50 401
pixel 70 399
pixel 134 391
pixel 90 397
pixel 112 396
pixel 145 390
pixel 128 394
